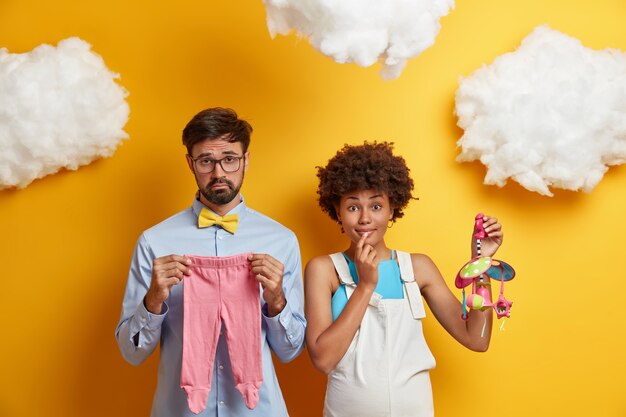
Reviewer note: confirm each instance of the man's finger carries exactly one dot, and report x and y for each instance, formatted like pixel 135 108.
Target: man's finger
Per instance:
pixel 172 281
pixel 266 270
pixel 265 282
pixel 170 266
pixel 173 258
pixel 257 258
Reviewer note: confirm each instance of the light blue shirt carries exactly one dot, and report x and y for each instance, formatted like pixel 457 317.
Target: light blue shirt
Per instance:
pixel 282 334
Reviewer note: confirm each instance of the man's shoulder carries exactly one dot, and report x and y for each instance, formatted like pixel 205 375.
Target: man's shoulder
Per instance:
pixel 262 220
pixel 180 220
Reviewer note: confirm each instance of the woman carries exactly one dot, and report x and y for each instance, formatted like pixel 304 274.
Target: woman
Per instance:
pixel 364 306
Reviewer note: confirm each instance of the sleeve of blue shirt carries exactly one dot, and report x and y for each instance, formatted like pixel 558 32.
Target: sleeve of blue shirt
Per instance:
pixel 139 331
pixel 285 331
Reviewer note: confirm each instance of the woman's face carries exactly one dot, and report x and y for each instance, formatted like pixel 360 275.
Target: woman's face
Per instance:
pixel 366 211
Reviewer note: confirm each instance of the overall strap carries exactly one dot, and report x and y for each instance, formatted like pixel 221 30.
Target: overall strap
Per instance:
pixel 410 285
pixel 343 270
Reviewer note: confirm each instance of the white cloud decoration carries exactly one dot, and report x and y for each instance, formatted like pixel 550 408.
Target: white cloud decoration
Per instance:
pixel 550 114
pixel 59 108
pixel 362 31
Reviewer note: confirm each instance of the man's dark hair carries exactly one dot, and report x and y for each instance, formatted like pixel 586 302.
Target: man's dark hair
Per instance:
pixel 217 123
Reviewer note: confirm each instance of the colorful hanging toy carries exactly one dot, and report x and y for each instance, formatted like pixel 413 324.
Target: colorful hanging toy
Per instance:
pixel 474 272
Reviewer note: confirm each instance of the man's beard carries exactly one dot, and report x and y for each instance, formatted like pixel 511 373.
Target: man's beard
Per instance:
pixel 221 196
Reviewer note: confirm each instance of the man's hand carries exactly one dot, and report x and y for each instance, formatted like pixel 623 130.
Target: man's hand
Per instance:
pixel 269 272
pixel 167 271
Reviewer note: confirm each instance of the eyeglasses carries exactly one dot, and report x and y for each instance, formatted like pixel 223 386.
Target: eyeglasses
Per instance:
pixel 205 165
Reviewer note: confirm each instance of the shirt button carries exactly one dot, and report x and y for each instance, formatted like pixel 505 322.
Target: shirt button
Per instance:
pixel 221 367
pixel 221 402
pixel 290 336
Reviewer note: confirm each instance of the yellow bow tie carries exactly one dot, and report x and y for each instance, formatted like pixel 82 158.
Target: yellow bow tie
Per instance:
pixel 208 218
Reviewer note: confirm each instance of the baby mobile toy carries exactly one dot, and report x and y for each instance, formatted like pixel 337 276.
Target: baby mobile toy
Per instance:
pixel 474 272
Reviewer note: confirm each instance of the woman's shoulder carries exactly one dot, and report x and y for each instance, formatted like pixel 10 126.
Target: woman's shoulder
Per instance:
pixel 319 263
pixel 421 261
pixel 417 257
pixel 321 271
pixel 426 272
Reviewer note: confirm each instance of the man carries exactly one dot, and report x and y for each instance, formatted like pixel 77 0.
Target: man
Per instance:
pixel 217 145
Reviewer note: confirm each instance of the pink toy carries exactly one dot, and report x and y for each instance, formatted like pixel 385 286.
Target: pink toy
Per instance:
pixel 478 227
pixel 474 271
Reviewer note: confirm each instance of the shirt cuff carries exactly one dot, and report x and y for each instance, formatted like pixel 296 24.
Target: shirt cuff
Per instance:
pixel 145 319
pixel 281 322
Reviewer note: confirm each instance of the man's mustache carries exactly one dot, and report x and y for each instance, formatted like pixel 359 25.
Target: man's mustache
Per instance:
pixel 221 181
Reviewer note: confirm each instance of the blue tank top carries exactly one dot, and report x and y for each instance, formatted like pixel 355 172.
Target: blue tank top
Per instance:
pixel 389 284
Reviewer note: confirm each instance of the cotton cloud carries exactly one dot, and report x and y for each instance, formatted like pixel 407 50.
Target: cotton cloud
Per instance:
pixel 59 108
pixel 362 31
pixel 551 114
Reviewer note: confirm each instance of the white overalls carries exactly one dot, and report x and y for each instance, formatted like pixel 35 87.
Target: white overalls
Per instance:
pixel 384 373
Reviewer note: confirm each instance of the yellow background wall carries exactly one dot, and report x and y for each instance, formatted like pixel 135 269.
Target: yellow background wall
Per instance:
pixel 66 240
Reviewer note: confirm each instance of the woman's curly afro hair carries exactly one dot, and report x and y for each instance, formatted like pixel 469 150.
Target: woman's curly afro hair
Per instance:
pixel 371 166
